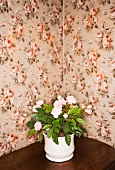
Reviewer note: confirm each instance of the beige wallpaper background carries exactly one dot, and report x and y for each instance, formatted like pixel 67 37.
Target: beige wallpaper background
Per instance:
pixel 48 47
pixel 89 62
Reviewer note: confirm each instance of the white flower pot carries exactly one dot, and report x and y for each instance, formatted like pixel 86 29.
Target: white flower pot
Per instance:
pixel 61 152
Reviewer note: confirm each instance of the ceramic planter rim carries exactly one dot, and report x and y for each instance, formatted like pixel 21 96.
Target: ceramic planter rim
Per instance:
pixel 60 137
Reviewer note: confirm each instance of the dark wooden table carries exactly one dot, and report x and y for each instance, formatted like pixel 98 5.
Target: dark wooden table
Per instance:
pixel 89 155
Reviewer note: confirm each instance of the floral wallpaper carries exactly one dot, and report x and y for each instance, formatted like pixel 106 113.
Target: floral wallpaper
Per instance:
pixel 30 64
pixel 89 62
pixel 48 47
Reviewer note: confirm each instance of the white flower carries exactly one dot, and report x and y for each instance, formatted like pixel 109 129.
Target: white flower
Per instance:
pixel 82 106
pixel 59 97
pixel 88 111
pixel 38 105
pixel 89 106
pixel 56 112
pixel 40 102
pixel 65 115
pixel 34 108
pixel 57 104
pixel 37 126
pixel 71 100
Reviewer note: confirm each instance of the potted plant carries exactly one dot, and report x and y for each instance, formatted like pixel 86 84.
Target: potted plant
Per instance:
pixel 58 123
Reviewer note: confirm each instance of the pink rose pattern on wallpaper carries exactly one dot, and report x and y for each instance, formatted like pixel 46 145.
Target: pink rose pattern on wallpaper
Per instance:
pixel 32 65
pixel 89 62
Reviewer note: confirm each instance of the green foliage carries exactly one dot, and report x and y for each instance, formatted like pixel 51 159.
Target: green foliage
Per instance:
pixel 66 127
pixel 46 126
pixel 74 111
pixel 47 108
pixel 55 137
pixel 40 110
pixel 73 122
pixel 49 132
pixel 35 117
pixel 80 120
pixel 56 130
pixel 56 123
pixel 31 132
pixel 40 136
pixel 68 139
pixel 54 127
pixel 30 124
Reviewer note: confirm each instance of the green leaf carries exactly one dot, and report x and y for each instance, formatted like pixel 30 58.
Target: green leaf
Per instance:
pixel 40 110
pixel 83 130
pixel 35 117
pixel 46 126
pixel 40 136
pixel 68 139
pixel 55 137
pixel 56 130
pixel 73 130
pixel 49 133
pixel 47 108
pixel 72 121
pixel 43 117
pixel 74 111
pixel 49 119
pixel 79 128
pixel 30 124
pixel 66 127
pixel 79 134
pixel 31 132
pixel 79 120
pixel 40 115
pixel 56 123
